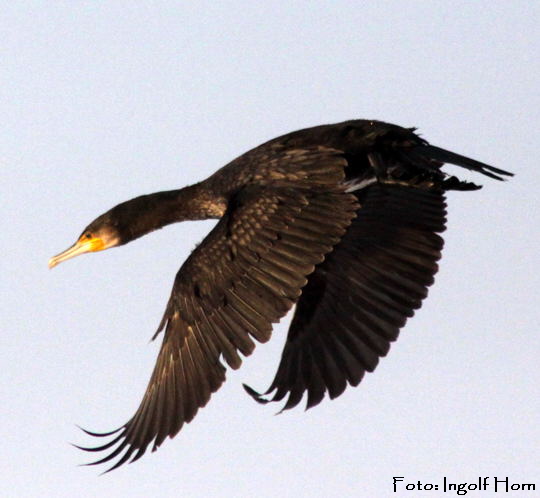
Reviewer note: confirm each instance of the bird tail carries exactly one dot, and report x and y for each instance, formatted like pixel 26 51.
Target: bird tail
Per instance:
pixel 445 156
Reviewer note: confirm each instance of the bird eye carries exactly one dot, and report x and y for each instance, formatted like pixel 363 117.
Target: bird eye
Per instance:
pixel 88 235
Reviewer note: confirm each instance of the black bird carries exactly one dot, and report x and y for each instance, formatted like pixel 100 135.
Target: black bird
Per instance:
pixel 341 219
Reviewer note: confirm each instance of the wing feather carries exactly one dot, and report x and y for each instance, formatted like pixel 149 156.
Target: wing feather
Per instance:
pixel 245 276
pixel 357 300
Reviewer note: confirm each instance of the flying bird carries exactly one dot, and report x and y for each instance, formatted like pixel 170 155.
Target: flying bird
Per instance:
pixel 342 220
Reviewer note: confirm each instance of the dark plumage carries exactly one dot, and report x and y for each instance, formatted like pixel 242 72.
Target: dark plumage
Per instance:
pixel 342 219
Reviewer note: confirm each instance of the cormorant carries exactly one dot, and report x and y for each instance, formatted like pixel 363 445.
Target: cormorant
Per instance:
pixel 342 220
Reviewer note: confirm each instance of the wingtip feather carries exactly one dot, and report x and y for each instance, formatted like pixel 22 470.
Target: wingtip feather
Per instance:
pixel 258 397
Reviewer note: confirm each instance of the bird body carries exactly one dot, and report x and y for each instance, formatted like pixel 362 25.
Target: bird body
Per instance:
pixel 342 220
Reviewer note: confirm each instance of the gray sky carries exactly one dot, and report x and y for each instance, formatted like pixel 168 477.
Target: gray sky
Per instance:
pixel 103 101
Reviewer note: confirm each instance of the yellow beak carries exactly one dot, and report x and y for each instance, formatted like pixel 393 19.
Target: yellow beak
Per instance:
pixel 82 246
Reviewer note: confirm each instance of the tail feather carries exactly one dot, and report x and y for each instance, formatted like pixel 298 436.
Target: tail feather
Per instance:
pixel 445 156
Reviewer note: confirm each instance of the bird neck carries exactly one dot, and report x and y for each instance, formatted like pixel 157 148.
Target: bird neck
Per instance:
pixel 195 202
pixel 153 211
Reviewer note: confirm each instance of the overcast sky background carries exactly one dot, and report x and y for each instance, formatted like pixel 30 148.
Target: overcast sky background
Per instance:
pixel 104 101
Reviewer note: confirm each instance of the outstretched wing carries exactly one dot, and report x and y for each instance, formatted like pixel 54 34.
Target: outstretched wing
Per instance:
pixel 357 300
pixel 244 276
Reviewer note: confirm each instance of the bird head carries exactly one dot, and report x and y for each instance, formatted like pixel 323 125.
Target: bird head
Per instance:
pixel 132 219
pixel 101 234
